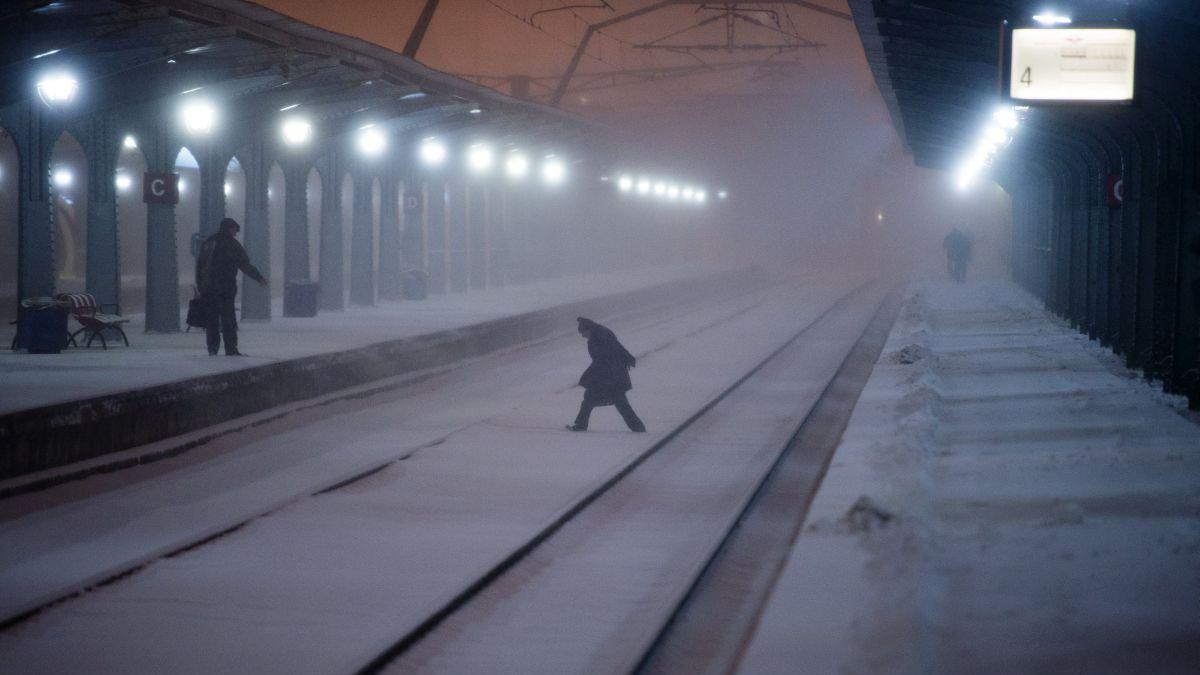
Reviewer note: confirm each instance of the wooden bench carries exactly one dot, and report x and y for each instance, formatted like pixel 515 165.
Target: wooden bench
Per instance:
pixel 93 323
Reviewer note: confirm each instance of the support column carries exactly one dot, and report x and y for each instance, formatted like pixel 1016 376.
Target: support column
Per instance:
pixel 295 223
pixel 389 235
pixel 103 261
pixel 362 263
pixel 331 234
pixel 35 230
pixel 497 239
pixel 162 262
pixel 477 208
pixel 212 189
pixel 458 236
pixel 412 245
pixel 256 237
pixel 436 233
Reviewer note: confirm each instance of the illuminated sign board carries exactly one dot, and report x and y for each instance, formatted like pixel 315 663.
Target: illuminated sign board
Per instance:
pixel 1071 65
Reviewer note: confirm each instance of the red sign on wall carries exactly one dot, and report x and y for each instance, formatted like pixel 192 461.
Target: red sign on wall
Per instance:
pixel 160 188
pixel 1114 191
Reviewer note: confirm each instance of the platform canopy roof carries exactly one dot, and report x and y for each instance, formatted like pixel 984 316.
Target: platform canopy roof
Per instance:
pixel 250 60
pixel 937 62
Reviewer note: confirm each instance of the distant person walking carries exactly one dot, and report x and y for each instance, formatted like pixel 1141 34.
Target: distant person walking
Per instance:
pixel 958 254
pixel 221 258
pixel 607 379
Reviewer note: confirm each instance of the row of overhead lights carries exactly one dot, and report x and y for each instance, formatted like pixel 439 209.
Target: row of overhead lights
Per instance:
pixel 1003 126
pixel 995 137
pixel 664 189
pixel 199 117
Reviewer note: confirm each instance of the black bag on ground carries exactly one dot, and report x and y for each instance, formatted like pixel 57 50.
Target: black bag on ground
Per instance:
pixel 197 316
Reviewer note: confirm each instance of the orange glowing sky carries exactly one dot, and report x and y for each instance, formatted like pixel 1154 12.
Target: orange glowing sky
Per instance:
pixel 483 37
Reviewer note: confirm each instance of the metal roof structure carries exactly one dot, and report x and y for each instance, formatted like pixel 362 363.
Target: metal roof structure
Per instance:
pixel 132 52
pixel 134 65
pixel 1125 268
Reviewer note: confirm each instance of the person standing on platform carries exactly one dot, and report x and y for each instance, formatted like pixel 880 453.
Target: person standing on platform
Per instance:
pixel 221 258
pixel 958 254
pixel 607 379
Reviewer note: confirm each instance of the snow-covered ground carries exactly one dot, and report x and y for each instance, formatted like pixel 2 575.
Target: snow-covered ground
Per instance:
pixel 1007 498
pixel 35 380
pixel 475 460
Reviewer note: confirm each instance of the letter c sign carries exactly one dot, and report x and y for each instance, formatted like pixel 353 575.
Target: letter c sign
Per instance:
pixel 160 188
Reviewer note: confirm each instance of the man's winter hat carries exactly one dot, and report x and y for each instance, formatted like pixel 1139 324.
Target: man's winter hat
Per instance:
pixel 229 224
pixel 585 324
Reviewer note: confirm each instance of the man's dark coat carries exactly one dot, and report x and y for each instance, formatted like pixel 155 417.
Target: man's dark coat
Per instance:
pixel 221 258
pixel 607 379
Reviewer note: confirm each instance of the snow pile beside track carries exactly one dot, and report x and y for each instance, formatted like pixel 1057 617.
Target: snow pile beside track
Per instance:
pixel 1041 509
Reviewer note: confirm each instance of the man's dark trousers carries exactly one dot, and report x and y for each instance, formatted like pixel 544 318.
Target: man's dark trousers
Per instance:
pixel 222 322
pixel 621 402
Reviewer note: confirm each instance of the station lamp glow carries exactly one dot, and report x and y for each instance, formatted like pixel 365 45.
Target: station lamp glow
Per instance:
pixel 516 166
pixel 687 192
pixel 63 177
pixel 199 117
pixel 183 186
pixel 371 141
pixel 129 143
pixel 1006 117
pixel 123 182
pixel 296 131
pixel 643 186
pixel 432 152
pixel 701 196
pixel 480 157
pixel 625 183
pixel 673 192
pixel 554 172
pixel 228 189
pixel 57 89
pixel 1052 19
pixel 722 195
pixel 660 189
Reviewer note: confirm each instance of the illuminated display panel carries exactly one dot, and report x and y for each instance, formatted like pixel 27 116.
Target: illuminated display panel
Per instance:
pixel 1072 64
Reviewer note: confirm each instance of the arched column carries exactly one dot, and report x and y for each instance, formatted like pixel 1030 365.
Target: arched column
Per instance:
pixel 213 164
pixel 103 250
pixel 162 261
pixel 362 268
pixel 295 223
pixel 457 239
pixel 477 241
pixel 330 261
pixel 412 245
pixel 497 236
pixel 35 237
pixel 389 234
pixel 435 228
pixel 256 237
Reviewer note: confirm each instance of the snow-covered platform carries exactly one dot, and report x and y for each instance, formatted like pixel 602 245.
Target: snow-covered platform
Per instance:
pixel 83 403
pixel 1007 498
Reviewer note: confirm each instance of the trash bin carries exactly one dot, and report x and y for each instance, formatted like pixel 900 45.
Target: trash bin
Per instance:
pixel 300 298
pixel 413 285
pixel 42 329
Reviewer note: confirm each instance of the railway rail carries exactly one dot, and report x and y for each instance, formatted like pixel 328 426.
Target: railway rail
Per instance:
pixel 835 338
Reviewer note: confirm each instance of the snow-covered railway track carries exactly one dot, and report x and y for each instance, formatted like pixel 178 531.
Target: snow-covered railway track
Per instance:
pixel 182 534
pixel 648 572
pixel 241 590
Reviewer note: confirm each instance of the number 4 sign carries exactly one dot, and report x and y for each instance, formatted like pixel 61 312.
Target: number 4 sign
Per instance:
pixel 1071 65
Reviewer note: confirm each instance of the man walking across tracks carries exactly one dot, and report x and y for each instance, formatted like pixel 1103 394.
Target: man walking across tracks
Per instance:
pixel 607 379
pixel 221 258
